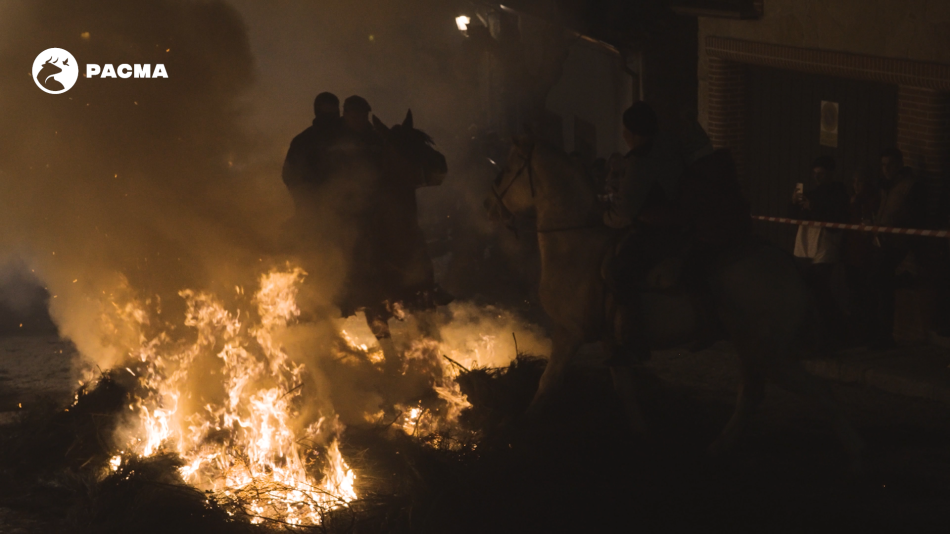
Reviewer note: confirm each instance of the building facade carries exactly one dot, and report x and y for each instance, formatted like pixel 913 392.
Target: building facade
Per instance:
pixel 841 78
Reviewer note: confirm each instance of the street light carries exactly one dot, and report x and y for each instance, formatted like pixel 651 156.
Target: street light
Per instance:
pixel 462 22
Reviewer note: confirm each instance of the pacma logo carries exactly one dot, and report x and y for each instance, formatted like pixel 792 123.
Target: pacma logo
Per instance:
pixel 55 71
pixel 125 71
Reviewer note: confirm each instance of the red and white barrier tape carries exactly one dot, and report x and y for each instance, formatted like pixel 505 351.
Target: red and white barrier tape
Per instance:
pixel 857 227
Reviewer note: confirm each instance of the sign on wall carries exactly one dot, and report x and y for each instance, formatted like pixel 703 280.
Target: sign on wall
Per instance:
pixel 829 124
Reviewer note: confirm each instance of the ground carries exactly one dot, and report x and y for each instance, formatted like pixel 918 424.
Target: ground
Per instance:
pixel 580 470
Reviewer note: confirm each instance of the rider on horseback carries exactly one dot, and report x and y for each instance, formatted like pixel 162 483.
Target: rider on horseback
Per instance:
pixel 670 185
pixel 649 180
pixel 305 167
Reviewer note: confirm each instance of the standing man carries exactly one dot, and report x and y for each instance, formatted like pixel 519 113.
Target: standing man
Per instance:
pixel 903 205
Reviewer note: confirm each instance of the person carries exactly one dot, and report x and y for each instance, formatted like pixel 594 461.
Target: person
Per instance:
pixel 651 168
pixel 651 171
pixel 857 250
pixel 356 154
pixel 306 167
pixel 903 205
pixel 819 249
pixel 356 122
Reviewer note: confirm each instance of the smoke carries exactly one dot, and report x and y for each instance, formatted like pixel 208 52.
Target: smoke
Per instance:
pixel 128 191
pixel 398 54
pixel 131 184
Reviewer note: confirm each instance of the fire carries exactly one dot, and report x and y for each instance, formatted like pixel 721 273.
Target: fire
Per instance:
pixel 224 396
pixel 239 442
pixel 470 336
pixel 365 342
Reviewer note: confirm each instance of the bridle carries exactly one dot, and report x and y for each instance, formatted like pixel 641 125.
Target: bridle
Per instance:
pixel 508 217
pixel 524 167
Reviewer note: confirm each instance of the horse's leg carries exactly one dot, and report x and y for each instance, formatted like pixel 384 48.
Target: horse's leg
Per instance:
pixel 378 320
pixel 791 375
pixel 427 321
pixel 564 346
pixel 751 392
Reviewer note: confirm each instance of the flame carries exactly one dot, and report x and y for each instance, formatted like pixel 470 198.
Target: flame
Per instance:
pixel 239 444
pixel 361 342
pixel 470 336
pixel 226 398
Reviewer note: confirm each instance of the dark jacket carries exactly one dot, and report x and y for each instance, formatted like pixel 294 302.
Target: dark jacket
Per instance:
pixel 306 165
pixel 903 205
pixel 827 203
pixel 715 212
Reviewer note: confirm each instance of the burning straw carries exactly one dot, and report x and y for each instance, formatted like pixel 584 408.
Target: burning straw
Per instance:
pixel 242 440
pixel 215 421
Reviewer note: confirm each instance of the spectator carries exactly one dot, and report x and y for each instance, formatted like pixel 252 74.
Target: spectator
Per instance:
pixel 903 205
pixel 858 250
pixel 819 248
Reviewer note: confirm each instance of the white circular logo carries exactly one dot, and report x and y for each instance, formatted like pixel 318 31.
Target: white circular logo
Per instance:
pixel 55 71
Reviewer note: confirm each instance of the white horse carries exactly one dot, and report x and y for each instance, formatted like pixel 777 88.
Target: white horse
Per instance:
pixel 759 297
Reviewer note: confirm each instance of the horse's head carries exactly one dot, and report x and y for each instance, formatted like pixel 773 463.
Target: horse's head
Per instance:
pixel 411 154
pixel 512 192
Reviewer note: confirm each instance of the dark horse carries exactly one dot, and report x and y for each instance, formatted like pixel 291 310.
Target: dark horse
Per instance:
pixel 408 161
pixel 45 75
